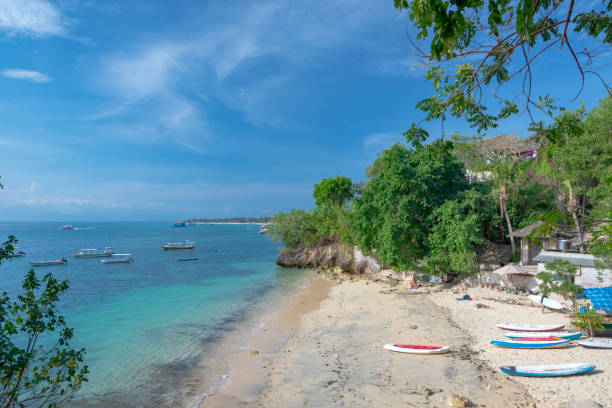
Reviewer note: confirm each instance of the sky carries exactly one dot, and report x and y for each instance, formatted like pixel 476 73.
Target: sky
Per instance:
pixel 164 110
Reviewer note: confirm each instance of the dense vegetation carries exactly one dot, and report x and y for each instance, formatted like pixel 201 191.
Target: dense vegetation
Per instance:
pixel 38 366
pixel 419 209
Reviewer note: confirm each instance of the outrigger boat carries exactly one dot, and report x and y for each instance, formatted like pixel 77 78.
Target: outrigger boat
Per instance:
pixel 118 258
pixel 60 261
pixel 15 253
pixel 94 253
pixel 178 245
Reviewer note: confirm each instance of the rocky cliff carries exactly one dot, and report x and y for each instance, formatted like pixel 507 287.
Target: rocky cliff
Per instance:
pixel 343 256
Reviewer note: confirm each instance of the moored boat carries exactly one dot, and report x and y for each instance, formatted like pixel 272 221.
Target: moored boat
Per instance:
pixel 60 261
pixel 178 245
pixel 548 370
pixel 118 258
pixel 188 259
pixel 94 253
pixel 16 253
pixel 179 224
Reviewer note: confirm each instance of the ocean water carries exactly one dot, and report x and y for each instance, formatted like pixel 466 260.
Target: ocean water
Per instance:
pixel 149 326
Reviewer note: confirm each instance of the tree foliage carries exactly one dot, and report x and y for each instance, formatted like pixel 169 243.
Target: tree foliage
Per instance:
pixel 505 37
pixel 393 216
pixel 334 190
pixel 38 366
pixel 559 278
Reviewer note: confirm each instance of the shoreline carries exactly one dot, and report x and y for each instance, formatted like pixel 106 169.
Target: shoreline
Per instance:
pixel 322 346
pixel 248 350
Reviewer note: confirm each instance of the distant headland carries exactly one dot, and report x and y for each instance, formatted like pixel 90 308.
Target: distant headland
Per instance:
pixel 233 220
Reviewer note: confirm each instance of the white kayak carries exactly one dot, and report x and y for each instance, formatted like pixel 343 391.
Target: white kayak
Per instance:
pixel 597 343
pixel 416 349
pixel 531 327
pixel 548 370
pixel 546 302
pixel 542 335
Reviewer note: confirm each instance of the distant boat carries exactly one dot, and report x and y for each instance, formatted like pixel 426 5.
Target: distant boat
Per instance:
pixel 118 258
pixel 178 245
pixel 60 261
pixel 179 224
pixel 94 253
pixel 15 253
pixel 263 229
pixel 67 228
pixel 188 259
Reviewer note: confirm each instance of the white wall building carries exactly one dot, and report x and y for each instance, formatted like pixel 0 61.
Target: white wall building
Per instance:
pixel 587 276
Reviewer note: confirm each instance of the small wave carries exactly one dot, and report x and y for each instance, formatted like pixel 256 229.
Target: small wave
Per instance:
pixel 223 383
pixel 84 228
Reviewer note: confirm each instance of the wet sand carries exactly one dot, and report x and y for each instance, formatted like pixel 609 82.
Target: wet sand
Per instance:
pixel 324 349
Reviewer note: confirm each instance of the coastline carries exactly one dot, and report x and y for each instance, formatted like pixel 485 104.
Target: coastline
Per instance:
pixel 322 346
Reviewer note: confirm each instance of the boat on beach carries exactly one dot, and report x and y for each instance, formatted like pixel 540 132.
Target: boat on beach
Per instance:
pixel 416 349
pixel 542 335
pixel 178 245
pixel 532 343
pixel 531 327
pixel 94 253
pixel 548 370
pixel 597 343
pixel 118 258
pixel 60 261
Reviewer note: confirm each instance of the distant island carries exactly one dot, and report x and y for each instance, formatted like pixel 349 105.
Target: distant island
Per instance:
pixel 233 220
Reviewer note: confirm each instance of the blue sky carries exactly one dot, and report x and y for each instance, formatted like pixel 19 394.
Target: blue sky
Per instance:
pixel 150 110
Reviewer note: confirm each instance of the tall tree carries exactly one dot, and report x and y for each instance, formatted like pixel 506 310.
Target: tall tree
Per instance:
pixel 333 190
pixel 393 216
pixel 505 38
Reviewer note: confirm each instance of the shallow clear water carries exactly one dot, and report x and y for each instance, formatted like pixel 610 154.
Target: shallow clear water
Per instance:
pixel 148 325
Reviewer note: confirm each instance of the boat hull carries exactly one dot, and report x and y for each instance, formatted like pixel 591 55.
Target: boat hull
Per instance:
pixel 530 344
pixel 92 255
pixel 531 328
pixel 415 349
pixel 549 370
pixel 165 248
pixel 47 263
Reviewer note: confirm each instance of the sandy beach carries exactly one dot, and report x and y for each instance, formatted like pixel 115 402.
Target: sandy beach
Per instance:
pixel 324 349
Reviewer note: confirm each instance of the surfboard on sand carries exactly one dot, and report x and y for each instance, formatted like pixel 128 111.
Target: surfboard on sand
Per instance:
pixel 546 302
pixel 548 370
pixel 531 327
pixel 416 349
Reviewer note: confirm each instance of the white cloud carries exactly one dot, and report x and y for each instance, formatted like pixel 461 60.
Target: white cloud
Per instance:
pixel 27 75
pixel 381 140
pixel 33 186
pixel 37 18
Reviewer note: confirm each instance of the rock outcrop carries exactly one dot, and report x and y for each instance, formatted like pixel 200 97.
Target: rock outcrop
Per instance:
pixel 344 256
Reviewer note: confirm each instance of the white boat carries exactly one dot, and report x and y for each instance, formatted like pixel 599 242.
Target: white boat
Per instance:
pixel 16 253
pixel 94 253
pixel 178 245
pixel 546 302
pixel 67 227
pixel 60 261
pixel 542 335
pixel 416 349
pixel 548 370
pixel 118 258
pixel 531 327
pixel 597 343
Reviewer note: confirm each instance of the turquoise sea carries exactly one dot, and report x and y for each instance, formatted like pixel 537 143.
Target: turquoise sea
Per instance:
pixel 149 326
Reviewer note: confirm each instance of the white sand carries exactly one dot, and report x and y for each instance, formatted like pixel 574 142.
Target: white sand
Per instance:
pixel 336 357
pixel 547 392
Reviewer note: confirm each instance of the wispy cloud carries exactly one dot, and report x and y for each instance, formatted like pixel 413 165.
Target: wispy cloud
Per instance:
pixel 27 75
pixel 38 18
pixel 381 140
